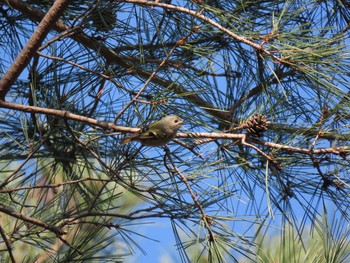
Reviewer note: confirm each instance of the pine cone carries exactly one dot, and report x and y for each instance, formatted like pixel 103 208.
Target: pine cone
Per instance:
pixel 256 125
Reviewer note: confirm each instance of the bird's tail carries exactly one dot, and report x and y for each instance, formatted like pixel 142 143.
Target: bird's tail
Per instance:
pixel 129 138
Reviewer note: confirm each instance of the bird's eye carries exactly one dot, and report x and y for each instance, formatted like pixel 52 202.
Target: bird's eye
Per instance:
pixel 176 121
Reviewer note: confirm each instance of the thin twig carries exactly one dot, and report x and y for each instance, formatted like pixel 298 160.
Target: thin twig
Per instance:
pixel 193 196
pixel 152 76
pixel 30 155
pixel 114 174
pixel 320 124
pixel 75 65
pixel 8 244
pixel 31 187
pixel 72 219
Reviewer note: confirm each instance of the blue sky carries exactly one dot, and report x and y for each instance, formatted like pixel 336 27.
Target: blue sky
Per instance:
pixel 239 204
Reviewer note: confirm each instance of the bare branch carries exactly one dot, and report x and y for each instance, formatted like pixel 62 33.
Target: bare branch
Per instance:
pixel 210 21
pixel 57 230
pixel 67 115
pixel 32 46
pixel 213 135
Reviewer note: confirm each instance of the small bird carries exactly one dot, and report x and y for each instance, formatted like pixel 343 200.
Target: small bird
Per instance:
pixel 158 133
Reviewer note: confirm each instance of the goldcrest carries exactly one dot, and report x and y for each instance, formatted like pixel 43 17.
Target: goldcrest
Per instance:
pixel 158 133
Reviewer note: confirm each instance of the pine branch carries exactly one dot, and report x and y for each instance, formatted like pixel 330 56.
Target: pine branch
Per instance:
pixel 55 229
pixel 66 115
pixel 112 57
pixel 32 45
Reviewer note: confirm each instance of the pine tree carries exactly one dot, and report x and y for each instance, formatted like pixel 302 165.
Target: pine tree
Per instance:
pixel 263 89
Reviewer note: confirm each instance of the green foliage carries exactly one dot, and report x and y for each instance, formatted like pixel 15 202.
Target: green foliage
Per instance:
pixel 269 82
pixel 326 241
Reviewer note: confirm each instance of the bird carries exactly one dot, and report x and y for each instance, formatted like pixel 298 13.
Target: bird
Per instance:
pixel 158 133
